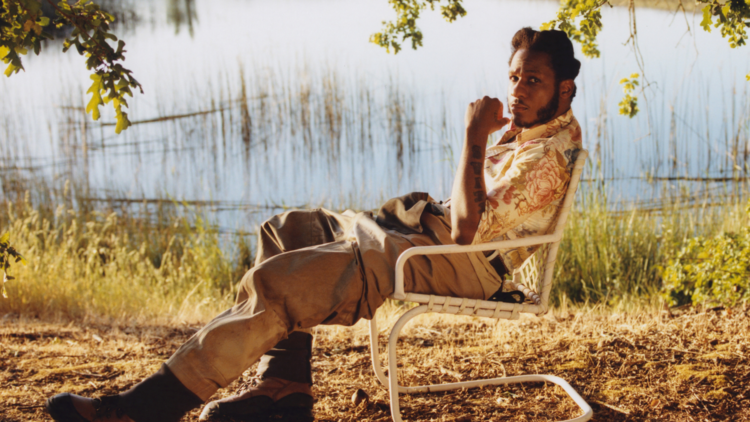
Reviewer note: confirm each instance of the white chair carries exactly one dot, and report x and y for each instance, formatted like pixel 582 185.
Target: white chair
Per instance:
pixel 534 279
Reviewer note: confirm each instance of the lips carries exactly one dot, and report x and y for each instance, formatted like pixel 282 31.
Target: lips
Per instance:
pixel 518 108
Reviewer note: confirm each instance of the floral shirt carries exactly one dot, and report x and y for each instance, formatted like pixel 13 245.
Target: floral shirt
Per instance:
pixel 527 174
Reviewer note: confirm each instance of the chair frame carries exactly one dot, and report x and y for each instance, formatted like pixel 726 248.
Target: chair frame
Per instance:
pixel 483 308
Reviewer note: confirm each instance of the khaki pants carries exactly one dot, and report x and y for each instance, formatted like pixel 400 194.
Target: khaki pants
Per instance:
pixel 320 267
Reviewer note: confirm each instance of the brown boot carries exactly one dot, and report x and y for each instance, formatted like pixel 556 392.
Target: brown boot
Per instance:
pixel 159 398
pixel 68 407
pixel 272 397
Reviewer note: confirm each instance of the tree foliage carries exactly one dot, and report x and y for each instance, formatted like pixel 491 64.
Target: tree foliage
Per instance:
pixel 580 19
pixel 405 26
pixel 22 27
pixel 710 271
pixel 629 103
pixel 731 17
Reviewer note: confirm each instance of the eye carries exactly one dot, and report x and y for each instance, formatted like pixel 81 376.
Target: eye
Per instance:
pixel 534 80
pixel 514 78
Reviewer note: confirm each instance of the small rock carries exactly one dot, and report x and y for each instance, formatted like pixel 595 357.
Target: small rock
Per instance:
pixel 359 396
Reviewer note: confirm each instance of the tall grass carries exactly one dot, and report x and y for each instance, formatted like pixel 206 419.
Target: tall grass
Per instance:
pixel 616 257
pixel 156 262
pixel 97 263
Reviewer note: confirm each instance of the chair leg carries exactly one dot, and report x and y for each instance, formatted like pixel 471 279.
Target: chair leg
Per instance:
pixel 394 388
pixel 374 352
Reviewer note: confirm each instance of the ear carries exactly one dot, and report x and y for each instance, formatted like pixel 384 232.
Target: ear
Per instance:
pixel 566 89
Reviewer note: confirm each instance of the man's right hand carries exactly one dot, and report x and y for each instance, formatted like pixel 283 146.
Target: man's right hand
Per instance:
pixel 469 194
pixel 485 116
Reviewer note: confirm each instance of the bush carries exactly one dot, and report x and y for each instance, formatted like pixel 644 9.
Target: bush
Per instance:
pixel 710 271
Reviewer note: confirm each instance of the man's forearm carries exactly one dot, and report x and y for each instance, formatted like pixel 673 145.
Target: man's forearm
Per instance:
pixel 469 194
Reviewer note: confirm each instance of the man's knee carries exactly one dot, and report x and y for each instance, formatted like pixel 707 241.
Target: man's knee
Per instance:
pixel 247 289
pixel 259 282
pixel 294 218
pixel 281 233
pixel 295 229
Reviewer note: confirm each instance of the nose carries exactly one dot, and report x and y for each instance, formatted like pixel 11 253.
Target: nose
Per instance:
pixel 517 90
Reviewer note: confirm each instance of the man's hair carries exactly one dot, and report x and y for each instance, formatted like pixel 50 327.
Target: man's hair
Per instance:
pixel 556 44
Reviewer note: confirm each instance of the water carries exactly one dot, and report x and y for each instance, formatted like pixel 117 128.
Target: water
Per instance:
pixel 327 119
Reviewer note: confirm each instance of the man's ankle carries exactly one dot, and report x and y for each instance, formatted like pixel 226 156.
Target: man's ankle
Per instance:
pixel 289 359
pixel 159 398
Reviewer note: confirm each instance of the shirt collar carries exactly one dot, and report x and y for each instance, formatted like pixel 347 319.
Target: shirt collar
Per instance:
pixel 540 131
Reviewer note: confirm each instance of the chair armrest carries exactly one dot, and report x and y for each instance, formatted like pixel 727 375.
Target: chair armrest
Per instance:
pixel 398 292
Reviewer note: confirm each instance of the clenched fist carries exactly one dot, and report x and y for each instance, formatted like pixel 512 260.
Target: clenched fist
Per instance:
pixel 485 116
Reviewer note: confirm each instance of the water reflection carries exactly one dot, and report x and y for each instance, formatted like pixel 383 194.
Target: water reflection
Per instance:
pixel 182 13
pixel 304 112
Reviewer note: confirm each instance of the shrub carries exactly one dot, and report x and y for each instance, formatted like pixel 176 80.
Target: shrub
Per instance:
pixel 710 271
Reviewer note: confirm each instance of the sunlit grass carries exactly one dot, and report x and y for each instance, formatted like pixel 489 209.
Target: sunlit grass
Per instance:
pixel 103 263
pixel 156 262
pixel 616 257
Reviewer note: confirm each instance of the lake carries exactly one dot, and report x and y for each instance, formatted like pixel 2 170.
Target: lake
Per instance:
pixel 253 106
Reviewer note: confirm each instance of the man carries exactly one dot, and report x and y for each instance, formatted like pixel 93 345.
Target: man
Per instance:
pixel 319 267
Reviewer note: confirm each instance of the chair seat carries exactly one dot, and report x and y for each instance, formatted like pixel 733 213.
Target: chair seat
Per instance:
pixel 482 308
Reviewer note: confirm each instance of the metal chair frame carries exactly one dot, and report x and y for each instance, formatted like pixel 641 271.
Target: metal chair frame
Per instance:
pixel 534 279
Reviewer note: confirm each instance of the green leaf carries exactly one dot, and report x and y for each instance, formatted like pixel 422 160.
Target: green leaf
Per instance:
pixel 10 69
pixel 4 239
pixel 122 122
pixel 707 16
pixel 122 83
pixel 96 97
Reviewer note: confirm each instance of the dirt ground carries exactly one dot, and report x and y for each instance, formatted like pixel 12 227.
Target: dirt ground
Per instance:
pixel 666 366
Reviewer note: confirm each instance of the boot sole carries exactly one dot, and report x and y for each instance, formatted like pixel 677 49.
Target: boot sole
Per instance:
pixel 278 415
pixel 296 414
pixel 296 407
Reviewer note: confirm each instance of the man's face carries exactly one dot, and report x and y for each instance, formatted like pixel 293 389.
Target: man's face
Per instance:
pixel 533 94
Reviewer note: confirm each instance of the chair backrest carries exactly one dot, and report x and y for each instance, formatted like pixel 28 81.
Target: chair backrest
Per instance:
pixel 534 277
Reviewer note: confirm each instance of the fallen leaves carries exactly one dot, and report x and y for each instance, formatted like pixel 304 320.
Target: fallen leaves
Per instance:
pixel 690 366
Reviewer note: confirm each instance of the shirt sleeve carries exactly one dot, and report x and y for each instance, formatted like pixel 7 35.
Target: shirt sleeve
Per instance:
pixel 537 176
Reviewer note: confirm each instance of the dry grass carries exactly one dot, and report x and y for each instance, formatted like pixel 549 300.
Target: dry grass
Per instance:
pixel 646 365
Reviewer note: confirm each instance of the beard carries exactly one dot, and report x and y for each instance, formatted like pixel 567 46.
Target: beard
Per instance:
pixel 544 114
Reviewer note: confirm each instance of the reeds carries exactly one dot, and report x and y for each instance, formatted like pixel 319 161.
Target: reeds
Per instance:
pixel 278 132
pixel 163 259
pixel 114 264
pixel 616 256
